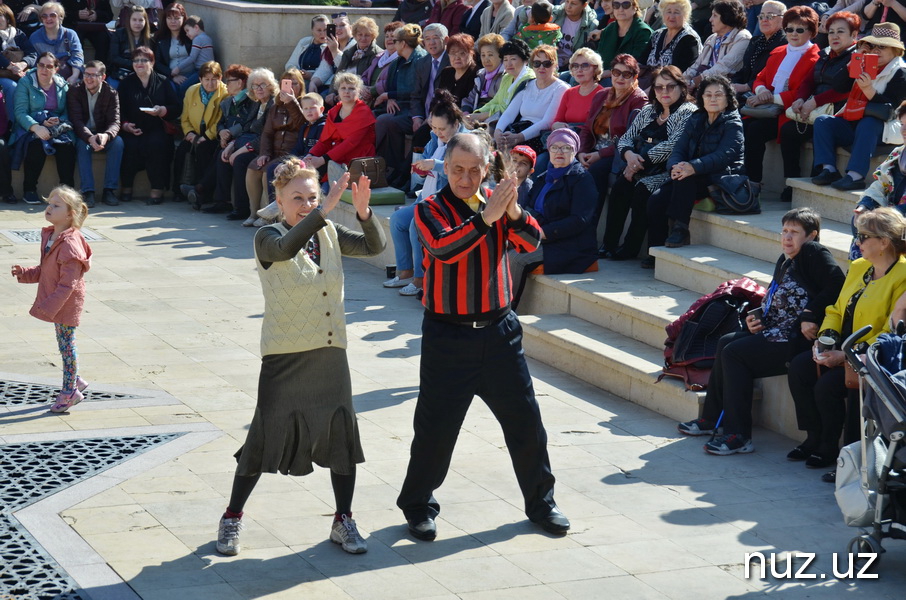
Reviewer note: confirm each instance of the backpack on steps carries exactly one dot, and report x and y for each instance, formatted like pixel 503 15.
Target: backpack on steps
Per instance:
pixel 691 344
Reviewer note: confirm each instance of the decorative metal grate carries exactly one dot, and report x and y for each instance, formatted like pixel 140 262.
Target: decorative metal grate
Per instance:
pixel 32 471
pixel 17 393
pixel 33 236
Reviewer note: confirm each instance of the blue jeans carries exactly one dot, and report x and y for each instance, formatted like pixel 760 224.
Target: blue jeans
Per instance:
pixel 863 135
pixel 406 245
pixel 85 154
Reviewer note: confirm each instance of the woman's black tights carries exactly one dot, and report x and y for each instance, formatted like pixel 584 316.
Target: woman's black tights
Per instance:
pixel 343 490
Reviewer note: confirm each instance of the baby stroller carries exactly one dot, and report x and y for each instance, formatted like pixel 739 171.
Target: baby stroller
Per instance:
pixel 871 473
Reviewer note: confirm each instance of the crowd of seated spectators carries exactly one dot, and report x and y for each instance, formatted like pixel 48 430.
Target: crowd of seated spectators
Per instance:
pixel 630 86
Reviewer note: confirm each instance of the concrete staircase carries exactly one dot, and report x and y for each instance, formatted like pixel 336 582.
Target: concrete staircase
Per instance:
pixel 607 328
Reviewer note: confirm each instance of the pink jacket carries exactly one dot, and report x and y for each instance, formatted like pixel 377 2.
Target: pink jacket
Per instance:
pixel 61 286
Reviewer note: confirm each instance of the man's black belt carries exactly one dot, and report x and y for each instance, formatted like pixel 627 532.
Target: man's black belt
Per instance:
pixel 469 320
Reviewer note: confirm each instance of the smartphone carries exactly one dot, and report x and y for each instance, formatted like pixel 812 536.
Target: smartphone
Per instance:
pixel 863 63
pixel 146 109
pixel 286 85
pixel 332 30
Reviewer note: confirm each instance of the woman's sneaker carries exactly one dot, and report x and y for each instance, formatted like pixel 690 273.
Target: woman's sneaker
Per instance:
pixel 396 282
pixel 410 290
pixel 228 536
pixel 345 533
pixel 732 443
pixel 696 427
pixel 66 401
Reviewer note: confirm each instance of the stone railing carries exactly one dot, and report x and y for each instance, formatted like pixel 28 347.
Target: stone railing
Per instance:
pixel 264 35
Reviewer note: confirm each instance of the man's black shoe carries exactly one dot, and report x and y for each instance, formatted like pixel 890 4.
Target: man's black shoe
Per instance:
pixel 424 530
pixel 848 184
pixel 109 198
pixel 554 522
pixel 826 177
pixel 235 216
pixel 89 199
pixel 216 208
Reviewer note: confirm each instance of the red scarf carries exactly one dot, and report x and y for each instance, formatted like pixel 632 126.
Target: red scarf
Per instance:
pixel 854 109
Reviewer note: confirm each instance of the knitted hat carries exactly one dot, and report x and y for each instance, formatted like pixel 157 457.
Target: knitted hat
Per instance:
pixel 564 135
pixel 525 151
pixel 885 34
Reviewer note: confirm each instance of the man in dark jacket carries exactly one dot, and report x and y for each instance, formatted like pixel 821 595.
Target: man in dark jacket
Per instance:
pixel 89 19
pixel 94 109
pixel 471 21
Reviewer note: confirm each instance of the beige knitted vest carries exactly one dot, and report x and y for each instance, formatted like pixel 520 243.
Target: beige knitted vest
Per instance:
pixel 303 301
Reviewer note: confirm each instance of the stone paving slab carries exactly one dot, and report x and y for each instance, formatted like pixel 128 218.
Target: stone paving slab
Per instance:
pixel 174 312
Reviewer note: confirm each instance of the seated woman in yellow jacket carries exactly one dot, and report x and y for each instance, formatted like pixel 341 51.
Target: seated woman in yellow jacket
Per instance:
pixel 873 285
pixel 193 172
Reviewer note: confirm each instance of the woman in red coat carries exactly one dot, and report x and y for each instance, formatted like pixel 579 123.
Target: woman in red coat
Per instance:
pixel 787 68
pixel 349 132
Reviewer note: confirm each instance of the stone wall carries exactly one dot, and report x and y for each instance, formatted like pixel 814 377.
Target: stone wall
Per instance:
pixel 264 35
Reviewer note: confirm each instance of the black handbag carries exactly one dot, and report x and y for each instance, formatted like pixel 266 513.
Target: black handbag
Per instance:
pixel 735 194
pixel 536 143
pixel 879 110
pixel 372 167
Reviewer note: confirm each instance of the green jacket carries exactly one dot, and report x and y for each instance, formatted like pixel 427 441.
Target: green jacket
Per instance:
pixel 536 35
pixel 635 42
pixel 496 105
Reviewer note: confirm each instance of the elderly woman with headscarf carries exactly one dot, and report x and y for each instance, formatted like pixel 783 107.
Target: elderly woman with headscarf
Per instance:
pixel 562 199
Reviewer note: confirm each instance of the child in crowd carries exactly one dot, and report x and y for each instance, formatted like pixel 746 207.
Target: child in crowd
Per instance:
pixel 540 29
pixel 65 257
pixel 520 19
pixel 523 158
pixel 313 111
pixel 202 52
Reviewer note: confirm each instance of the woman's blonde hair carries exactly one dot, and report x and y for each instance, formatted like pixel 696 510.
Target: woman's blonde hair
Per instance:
pixel 684 5
pixel 593 58
pixel 71 198
pixel 296 75
pixel 262 75
pixel 347 77
pixel 292 167
pixel 410 33
pixel 368 24
pixel 886 223
pixel 57 8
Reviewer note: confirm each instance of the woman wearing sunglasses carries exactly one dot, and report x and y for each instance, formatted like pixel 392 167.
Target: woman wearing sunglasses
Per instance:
pixel 644 149
pixel 628 34
pixel 860 123
pixel 63 42
pixel 769 36
pixel 787 69
pixel 607 118
pixel 723 50
pixel 533 109
pixel 817 378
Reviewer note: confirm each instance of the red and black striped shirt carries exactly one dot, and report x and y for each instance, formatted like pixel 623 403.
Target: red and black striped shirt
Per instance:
pixel 466 269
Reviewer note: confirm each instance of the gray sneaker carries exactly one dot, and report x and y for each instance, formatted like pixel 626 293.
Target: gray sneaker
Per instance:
pixel 228 536
pixel 346 534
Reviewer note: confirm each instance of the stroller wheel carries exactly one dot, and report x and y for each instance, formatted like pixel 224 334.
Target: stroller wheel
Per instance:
pixel 865 544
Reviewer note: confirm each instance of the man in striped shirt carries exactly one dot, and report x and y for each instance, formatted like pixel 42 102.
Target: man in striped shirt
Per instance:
pixel 472 340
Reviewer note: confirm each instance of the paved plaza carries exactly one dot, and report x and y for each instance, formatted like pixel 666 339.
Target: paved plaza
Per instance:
pixel 120 498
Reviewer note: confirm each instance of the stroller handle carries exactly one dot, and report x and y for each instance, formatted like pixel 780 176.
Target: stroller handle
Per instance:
pixel 847 347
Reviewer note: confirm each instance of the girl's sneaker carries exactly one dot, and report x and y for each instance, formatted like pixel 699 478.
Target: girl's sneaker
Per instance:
pixel 66 401
pixel 228 536
pixel 80 384
pixel 345 533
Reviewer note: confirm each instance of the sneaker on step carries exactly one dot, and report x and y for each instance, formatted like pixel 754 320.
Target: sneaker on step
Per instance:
pixel 733 443
pixel 410 290
pixel 396 282
pixel 696 427
pixel 345 533
pixel 228 536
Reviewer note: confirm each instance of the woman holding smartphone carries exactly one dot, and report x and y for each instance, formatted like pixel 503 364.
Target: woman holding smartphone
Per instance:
pixel 806 279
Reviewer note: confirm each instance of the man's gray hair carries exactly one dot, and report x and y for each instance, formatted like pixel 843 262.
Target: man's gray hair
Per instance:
pixel 476 145
pixel 438 27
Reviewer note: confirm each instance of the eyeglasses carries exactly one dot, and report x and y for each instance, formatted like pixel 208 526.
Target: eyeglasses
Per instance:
pixel 623 5
pixel 542 64
pixel 46 66
pixel 338 15
pixel 579 66
pixel 618 74
pixel 48 16
pixel 799 30
pixel 767 16
pixel 665 88
pixel 864 236
pixel 869 47
pixel 87 75
pixel 560 149
pixel 258 86
pixel 141 61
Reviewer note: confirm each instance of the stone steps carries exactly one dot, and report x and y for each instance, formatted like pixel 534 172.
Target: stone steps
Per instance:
pixel 702 268
pixel 832 204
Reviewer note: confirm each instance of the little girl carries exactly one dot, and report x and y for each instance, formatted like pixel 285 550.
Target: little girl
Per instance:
pixel 65 256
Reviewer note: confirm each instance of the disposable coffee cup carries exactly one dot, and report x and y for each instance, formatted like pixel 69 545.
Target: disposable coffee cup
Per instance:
pixel 391 271
pixel 825 343
pixel 757 313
